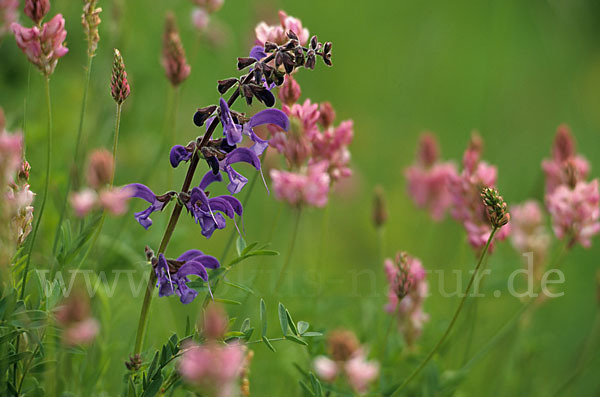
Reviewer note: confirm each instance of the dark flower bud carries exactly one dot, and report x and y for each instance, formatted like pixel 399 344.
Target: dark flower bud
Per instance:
pixel 263 95
pixel 292 35
pixel 247 93
pixel 149 253
pixel 495 206
pixel 37 9
pixel 327 59
pixel 203 114
pixel 278 77
pixel 134 363
pixel 314 42
pixel 290 45
pixel 213 163
pixel 298 57
pixel 310 60
pixel 327 48
pixel 243 63
pixel 288 63
pixel 278 59
pixel 225 85
pixel 270 47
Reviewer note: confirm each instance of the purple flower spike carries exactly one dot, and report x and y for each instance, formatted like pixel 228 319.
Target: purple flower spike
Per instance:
pixel 178 154
pixel 232 131
pixel 208 213
pixel 156 203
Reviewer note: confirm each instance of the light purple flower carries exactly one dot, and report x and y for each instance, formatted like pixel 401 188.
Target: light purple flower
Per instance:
pixel 157 203
pixel 208 213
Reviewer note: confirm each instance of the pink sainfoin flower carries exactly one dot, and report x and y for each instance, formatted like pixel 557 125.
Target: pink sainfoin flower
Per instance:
pixel 74 317
pixel 408 288
pixel 43 46
pixel 8 15
pixel 528 233
pixel 429 180
pixel 214 369
pixel 564 160
pixel 289 91
pixel 201 13
pixel 575 211
pixel 36 10
pixel 346 357
pixel 570 199
pixel 465 189
pixel 277 34
pixel 315 150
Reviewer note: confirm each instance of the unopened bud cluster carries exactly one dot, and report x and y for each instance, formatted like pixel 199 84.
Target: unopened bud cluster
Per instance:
pixel 495 206
pixel 119 86
pixel 90 19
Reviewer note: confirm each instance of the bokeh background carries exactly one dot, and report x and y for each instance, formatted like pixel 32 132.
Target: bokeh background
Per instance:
pixel 513 70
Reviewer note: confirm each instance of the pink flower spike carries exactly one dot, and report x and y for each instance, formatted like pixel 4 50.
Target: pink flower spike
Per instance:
pixel 8 15
pixel 361 372
pixel 115 200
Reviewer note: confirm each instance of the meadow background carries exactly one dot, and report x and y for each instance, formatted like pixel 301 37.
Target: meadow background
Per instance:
pixel 514 70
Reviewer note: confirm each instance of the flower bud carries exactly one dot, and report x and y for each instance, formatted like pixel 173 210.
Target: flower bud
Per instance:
pixel 327 114
pixel 428 150
pixel 174 61
pixel 100 168
pixel 380 214
pixel 36 10
pixel 118 82
pixel 289 91
pixel 342 344
pixel 215 322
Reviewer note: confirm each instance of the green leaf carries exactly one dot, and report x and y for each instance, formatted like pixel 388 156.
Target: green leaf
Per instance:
pixel 233 335
pixel 312 334
pixel 248 248
pixel 263 317
pixel 283 319
pixel 291 322
pixel 248 333
pixel 268 343
pixel 263 253
pixel 227 301
pixel 239 286
pixel 316 385
pixel 153 365
pixel 240 245
pixel 245 325
pixel 13 358
pixel 306 389
pixel 154 387
pixel 296 339
pixel 302 327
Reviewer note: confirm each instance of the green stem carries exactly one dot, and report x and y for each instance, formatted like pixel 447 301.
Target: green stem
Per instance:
pixel 45 191
pixel 288 258
pixel 75 164
pixel 454 318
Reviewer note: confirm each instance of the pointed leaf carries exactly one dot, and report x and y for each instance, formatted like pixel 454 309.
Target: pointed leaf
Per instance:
pixel 291 322
pixel 240 245
pixel 268 343
pixel 283 318
pixel 296 340
pixel 302 327
pixel 263 317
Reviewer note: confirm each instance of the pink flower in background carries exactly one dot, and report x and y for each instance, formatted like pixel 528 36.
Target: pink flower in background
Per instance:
pixel 407 291
pixel 289 91
pixel 465 188
pixel 8 15
pixel 173 55
pixel 75 319
pixel 308 187
pixel 44 46
pixel 277 34
pixel 200 18
pixel 565 163
pixel 214 369
pixel 11 150
pixel 210 5
pixel 575 211
pixel 428 180
pixel 348 358
pixel 83 202
pixel 115 200
pixel 100 168
pixel 529 234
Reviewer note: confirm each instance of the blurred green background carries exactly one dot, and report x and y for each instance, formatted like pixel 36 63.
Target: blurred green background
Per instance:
pixel 514 70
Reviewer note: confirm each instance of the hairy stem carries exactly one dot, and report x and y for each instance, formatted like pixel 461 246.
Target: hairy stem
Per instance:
pixel 454 318
pixel 75 165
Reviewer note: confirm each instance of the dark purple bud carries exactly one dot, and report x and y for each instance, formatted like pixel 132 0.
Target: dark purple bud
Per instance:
pixel 290 45
pixel 327 59
pixel 243 63
pixel 149 253
pixel 288 63
pixel 270 47
pixel 298 57
pixel 213 163
pixel 278 77
pixel 327 48
pixel 292 35
pixel 203 114
pixel 278 59
pixel 247 93
pixel 314 42
pixel 225 85
pixel 310 60
pixel 257 75
pixel 263 95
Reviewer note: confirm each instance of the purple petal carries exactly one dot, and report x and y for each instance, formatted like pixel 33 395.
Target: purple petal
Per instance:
pixel 209 261
pixel 243 155
pixel 220 204
pixel 179 154
pixel 142 191
pixel 235 204
pixel 193 267
pixel 257 52
pixel 231 131
pixel 270 116
pixel 143 217
pixel 187 295
pixel 209 178
pixel 236 180
pixel 189 255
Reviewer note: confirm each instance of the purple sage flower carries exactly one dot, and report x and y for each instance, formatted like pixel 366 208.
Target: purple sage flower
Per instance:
pixel 210 213
pixel 172 274
pixel 157 203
